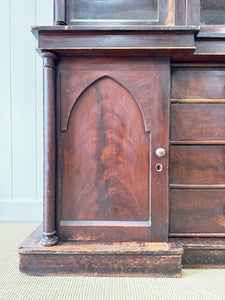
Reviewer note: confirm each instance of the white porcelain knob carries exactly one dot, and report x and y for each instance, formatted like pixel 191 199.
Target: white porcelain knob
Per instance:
pixel 160 152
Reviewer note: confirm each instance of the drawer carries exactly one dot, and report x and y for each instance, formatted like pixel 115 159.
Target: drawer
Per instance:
pixel 197 211
pixel 197 164
pixel 198 83
pixel 197 122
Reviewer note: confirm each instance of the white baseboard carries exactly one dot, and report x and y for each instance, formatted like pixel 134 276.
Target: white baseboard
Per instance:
pixel 21 212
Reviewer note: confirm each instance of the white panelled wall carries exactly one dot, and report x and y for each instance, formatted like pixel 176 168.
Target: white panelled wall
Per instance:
pixel 21 104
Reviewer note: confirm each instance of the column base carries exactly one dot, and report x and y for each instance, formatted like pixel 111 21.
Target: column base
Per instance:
pixel 48 241
pixel 62 23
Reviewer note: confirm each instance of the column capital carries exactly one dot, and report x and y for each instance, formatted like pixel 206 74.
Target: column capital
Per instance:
pixel 49 59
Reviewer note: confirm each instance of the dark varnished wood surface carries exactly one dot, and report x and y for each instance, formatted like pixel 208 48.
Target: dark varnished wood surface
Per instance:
pixel 197 154
pixel 116 39
pixel 141 78
pixel 120 259
pixel 180 43
pixel 100 259
pixel 211 29
pixel 193 164
pixel 193 12
pixel 198 122
pixel 88 118
pixel 180 10
pixel 197 211
pixel 213 46
pixel 167 12
pixel 105 157
pixel 203 253
pixel 59 12
pixel 49 166
pixel 111 110
pixel 198 82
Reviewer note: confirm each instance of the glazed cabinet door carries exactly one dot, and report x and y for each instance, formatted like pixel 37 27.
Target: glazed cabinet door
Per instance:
pixel 112 149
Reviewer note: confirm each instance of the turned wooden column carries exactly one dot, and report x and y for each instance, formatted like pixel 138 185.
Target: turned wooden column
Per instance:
pixel 49 232
pixel 60 12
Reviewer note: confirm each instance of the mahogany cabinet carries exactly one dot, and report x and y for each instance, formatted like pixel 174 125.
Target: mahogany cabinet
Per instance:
pixel 134 147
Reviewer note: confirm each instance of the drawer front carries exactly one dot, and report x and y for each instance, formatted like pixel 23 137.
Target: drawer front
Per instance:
pixel 197 122
pixel 198 83
pixel 197 164
pixel 197 211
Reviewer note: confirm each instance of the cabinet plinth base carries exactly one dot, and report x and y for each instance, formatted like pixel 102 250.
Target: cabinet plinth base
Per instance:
pixel 120 259
pixel 203 253
pixel 115 259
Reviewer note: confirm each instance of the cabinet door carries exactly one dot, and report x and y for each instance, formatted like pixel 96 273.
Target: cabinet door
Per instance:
pixel 112 116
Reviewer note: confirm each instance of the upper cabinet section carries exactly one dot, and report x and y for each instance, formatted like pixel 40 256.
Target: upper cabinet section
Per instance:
pixel 212 12
pixel 137 28
pixel 139 13
pixel 122 12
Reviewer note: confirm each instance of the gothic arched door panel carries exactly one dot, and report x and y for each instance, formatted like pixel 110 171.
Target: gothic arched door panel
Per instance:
pixel 112 186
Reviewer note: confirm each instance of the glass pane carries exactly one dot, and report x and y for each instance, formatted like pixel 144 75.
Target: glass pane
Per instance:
pixel 212 12
pixel 113 10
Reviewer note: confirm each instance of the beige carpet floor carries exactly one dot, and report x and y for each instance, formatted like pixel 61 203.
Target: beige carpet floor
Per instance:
pixel 195 284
